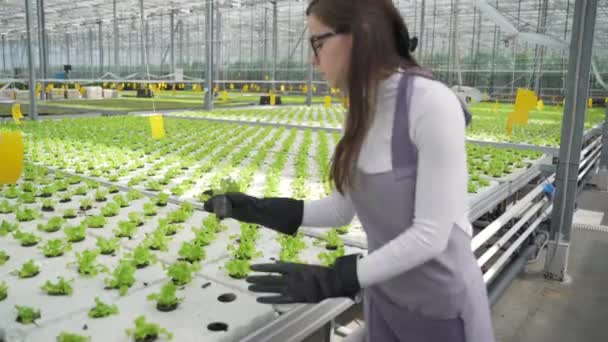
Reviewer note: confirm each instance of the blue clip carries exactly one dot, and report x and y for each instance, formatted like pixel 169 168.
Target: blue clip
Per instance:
pixel 549 190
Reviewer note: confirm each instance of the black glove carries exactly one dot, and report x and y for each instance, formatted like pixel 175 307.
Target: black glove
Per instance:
pixel 281 214
pixel 301 283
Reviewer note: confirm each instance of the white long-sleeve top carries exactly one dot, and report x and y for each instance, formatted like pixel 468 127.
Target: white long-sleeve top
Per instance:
pixel 437 129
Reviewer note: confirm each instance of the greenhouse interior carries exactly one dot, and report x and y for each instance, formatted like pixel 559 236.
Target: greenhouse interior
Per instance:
pixel 122 121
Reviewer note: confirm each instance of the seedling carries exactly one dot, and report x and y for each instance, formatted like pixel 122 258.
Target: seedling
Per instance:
pixel 125 229
pixel 87 265
pixel 65 198
pixel 74 180
pixel 291 247
pixel 150 209
pixel 61 186
pixel 145 331
pixel 110 210
pixel 157 241
pixel 81 191
pixel 134 195
pixel 26 239
pixel 69 213
pixel 166 300
pixel 182 272
pixel 28 187
pixel 212 222
pixel 141 256
pixel 162 199
pixel 102 309
pixel 113 189
pixel 26 314
pixel 329 258
pixel 3 291
pixel 238 268
pixel 3 257
pixel 25 215
pixel 69 337
pixel 27 198
pixel 28 270
pixel 6 207
pixel 333 240
pixel 343 230
pixel 245 250
pixel 181 215
pixel 48 191
pixel 91 183
pixel 12 192
pixel 75 233
pixel 53 224
pixel 136 218
pixel 122 277
pixel 192 252
pixel 154 186
pixel 121 201
pixel 101 195
pixel 61 288
pixel 55 248
pixel 7 227
pixel 204 236
pixel 95 221
pixel 107 246
pixel 86 204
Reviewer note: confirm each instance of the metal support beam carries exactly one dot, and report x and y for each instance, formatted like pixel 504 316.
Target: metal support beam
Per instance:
pixel 566 182
pixel 3 52
pixel 42 45
pixel 309 78
pixel 90 52
pixel 33 112
pixel 218 42
pixel 172 40
pixel 100 39
pixel 209 50
pixel 67 48
pixel 542 28
pixel 275 43
pixel 421 38
pixel 265 44
pixel 604 155
pixel 143 33
pixel 116 62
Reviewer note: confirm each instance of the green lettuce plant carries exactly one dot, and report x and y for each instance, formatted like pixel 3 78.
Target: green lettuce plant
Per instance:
pixel 61 288
pixel 102 309
pixel 145 331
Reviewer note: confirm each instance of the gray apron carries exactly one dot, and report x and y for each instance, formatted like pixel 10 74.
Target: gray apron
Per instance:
pixel 442 300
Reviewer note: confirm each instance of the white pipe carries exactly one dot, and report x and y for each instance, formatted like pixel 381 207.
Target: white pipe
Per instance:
pixel 493 271
pixel 507 236
pixel 584 173
pixel 483 236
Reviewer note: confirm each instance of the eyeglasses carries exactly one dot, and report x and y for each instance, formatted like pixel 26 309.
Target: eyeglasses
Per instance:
pixel 317 41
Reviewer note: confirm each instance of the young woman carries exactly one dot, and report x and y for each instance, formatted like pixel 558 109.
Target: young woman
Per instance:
pixel 401 168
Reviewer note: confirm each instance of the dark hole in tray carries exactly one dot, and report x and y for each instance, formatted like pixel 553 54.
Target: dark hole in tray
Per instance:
pixel 218 326
pixel 227 297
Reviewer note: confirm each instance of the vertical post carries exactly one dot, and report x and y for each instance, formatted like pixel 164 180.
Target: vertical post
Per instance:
pixel 493 63
pixel 275 43
pixel 100 37
pixel 209 50
pixel 566 181
pixel 3 52
pixel 541 49
pixel 472 50
pixel 421 34
pixel 90 51
pixel 309 78
pixel 455 56
pixel 33 113
pixel 450 41
pixel 42 45
pixel 141 14
pixel 116 63
pixel 514 42
pixel 172 39
pixel 265 51
pixel 67 48
pixel 218 42
pixel 476 61
pixel 180 24
pixel 433 34
pixel 604 153
pixel 563 52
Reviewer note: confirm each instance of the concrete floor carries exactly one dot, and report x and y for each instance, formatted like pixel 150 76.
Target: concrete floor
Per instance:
pixel 534 309
pixel 538 310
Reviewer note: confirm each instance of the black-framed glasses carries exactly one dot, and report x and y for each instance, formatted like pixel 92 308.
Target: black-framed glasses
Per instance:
pixel 317 41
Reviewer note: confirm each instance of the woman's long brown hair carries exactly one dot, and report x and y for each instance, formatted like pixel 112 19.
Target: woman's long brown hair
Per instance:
pixel 381 44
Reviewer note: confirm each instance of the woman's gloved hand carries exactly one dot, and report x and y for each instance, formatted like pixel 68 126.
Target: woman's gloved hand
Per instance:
pixel 302 283
pixel 281 214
